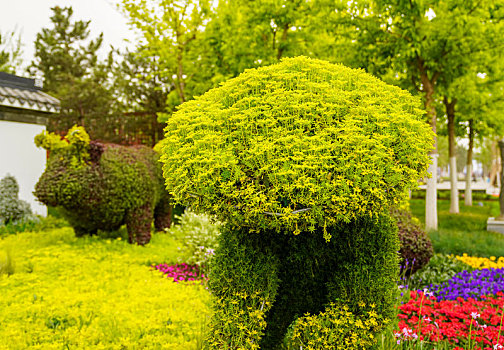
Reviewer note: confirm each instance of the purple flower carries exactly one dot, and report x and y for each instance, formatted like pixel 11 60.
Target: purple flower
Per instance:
pixel 467 284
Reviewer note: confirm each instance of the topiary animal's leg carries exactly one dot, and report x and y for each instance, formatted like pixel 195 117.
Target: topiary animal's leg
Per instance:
pixel 361 290
pixel 138 223
pixel 336 328
pixel 244 282
pixel 82 231
pixel 163 213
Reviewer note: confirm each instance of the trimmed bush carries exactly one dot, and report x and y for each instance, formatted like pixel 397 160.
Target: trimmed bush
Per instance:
pixel 12 209
pixel 198 234
pixel 301 159
pixel 416 246
pixel 100 186
pixel 296 145
pixel 276 279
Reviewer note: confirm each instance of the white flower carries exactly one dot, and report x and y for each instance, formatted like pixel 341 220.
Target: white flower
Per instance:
pixel 475 315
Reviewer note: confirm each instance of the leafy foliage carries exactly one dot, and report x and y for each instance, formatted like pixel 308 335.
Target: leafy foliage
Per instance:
pixel 170 31
pixel 416 246
pixel 10 51
pixel 12 209
pixel 198 234
pixel 103 186
pixel 337 328
pixel 439 269
pixel 263 283
pixel 296 145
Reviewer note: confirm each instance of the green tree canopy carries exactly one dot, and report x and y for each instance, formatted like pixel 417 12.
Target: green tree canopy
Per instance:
pixel 69 65
pixel 10 52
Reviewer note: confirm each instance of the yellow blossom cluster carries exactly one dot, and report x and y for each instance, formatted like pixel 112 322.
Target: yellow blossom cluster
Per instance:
pixel 482 263
pixel 338 328
pixel 243 316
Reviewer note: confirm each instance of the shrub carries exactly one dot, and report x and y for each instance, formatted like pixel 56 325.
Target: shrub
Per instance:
pixel 198 234
pixel 300 159
pixel 33 223
pixel 278 278
pixel 416 246
pixel 103 186
pixel 296 145
pixel 12 209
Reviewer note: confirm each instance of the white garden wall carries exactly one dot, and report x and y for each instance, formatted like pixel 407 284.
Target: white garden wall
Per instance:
pixel 20 158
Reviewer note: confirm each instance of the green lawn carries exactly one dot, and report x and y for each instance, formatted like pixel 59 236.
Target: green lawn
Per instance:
pixel 93 293
pixel 464 232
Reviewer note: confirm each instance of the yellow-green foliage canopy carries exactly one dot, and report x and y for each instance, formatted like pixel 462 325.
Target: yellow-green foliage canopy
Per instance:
pixel 297 144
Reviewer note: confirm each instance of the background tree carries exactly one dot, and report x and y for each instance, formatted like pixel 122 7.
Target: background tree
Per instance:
pixel 10 52
pixel 421 43
pixel 481 102
pixel 142 92
pixel 171 32
pixel 67 60
pixel 199 44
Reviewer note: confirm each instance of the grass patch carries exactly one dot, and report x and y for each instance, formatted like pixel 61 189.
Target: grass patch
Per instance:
pixel 93 293
pixel 465 232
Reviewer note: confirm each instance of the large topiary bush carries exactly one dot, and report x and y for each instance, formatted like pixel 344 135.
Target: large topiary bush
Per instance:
pixel 12 209
pixel 302 160
pixel 103 186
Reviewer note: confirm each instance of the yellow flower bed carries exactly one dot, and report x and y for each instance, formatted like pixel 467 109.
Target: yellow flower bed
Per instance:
pixel 482 263
pixel 90 293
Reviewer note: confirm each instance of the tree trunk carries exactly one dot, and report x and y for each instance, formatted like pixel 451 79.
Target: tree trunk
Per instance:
pixel 281 47
pixel 495 170
pixel 180 77
pixel 431 219
pixel 454 195
pixel 468 190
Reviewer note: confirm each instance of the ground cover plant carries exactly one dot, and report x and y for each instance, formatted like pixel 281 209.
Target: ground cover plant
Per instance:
pixel 93 293
pixel 464 323
pixel 439 269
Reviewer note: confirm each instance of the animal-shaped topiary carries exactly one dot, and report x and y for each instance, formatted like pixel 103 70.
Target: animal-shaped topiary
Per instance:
pixel 303 160
pixel 103 186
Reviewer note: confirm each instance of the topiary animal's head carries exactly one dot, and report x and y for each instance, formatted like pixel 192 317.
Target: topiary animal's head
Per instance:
pixel 295 145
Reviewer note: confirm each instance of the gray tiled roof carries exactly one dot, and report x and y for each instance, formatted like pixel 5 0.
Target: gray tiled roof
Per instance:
pixel 23 93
